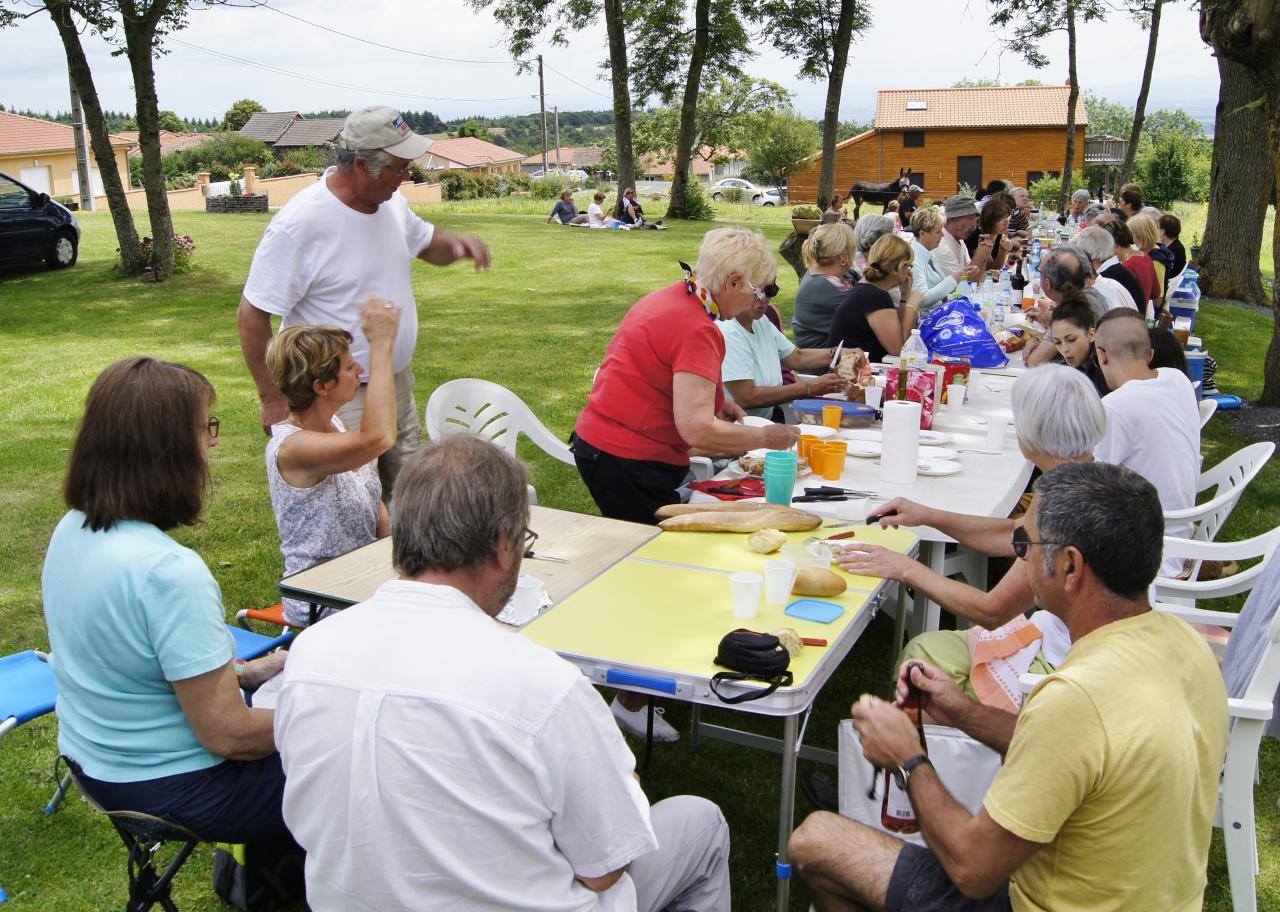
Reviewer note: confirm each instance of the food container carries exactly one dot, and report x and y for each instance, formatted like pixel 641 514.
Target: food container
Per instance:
pixel 856 415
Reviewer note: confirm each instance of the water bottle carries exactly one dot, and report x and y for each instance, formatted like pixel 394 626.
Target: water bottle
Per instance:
pixel 1005 292
pixel 1035 253
pixel 965 290
pixel 914 352
pixel 988 292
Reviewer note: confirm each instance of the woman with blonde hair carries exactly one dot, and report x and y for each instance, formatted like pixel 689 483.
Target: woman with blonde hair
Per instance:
pixel 1146 237
pixel 828 254
pixel 323 478
pixel 928 223
pixel 867 318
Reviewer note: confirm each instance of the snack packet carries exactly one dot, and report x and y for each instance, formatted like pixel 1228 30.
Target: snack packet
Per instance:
pixel 1012 339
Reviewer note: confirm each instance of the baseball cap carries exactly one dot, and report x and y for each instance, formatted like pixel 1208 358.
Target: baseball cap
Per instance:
pixel 381 128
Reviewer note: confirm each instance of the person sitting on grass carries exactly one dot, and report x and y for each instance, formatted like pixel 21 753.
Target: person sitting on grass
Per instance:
pixel 1073 326
pixel 632 212
pixel 596 217
pixel 323 477
pixel 566 211
pixel 151 711
pixel 1072 819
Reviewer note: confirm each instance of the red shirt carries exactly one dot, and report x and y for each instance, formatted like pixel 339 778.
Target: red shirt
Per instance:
pixel 1145 272
pixel 630 413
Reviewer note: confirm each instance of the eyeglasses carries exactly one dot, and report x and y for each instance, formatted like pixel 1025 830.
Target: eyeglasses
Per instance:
pixel 765 293
pixel 1022 543
pixel 213 425
pixel 529 538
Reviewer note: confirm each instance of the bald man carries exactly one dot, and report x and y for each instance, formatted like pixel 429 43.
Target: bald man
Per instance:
pixel 1153 421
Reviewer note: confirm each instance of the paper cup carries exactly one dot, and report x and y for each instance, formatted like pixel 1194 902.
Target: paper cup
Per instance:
pixel 996 428
pixel 746 594
pixel 955 396
pixel 874 395
pixel 528 596
pixel 779 576
pixel 854 508
pixel 831 415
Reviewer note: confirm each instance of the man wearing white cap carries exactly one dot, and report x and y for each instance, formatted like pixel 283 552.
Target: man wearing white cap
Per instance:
pixel 349 236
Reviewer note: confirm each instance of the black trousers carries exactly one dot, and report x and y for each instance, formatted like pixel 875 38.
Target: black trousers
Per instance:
pixel 627 489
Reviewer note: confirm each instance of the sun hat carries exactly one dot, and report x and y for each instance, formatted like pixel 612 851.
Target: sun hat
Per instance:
pixel 915 188
pixel 959 207
pixel 381 128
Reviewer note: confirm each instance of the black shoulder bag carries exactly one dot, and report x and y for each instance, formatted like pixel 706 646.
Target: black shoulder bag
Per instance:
pixel 752 656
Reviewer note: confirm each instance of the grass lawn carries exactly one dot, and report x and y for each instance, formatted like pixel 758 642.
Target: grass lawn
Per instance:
pixel 537 323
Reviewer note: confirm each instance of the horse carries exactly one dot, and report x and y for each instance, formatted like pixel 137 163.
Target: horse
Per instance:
pixel 878 193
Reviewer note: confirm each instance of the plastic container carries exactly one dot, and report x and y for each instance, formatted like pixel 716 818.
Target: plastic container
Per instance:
pixel 856 414
pixel 1183 305
pixel 1195 370
pixel 914 352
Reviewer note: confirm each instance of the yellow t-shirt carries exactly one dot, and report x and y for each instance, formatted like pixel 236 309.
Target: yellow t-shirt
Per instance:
pixel 1114 765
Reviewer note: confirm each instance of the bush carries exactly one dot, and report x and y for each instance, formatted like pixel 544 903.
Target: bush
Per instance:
pixel 455 185
pixel 184 251
pixel 732 194
pixel 311 158
pixel 219 155
pixel 1166 172
pixel 697 207
pixel 520 182
pixel 1047 189
pixel 181 181
pixel 806 212
pixel 417 174
pixel 550 187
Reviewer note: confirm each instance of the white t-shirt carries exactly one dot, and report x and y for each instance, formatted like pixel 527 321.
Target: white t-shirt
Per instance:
pixel 755 355
pixel 1113 294
pixel 452 765
pixel 319 261
pixel 1153 428
pixel 950 255
pixel 595 215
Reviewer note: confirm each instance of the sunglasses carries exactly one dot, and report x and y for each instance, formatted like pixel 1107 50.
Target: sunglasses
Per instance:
pixel 764 294
pixel 1021 543
pixel 213 425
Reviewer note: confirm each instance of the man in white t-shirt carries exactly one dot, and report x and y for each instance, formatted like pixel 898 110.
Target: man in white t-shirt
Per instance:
pixel 951 255
pixel 1153 421
pixel 347 237
pixel 435 759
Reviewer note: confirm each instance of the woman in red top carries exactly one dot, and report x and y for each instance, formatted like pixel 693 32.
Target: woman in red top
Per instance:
pixel 657 394
pixel 1136 262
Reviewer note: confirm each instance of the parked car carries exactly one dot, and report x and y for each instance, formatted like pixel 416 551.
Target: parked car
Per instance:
pixel 35 227
pixel 769 196
pixel 574 175
pixel 749 190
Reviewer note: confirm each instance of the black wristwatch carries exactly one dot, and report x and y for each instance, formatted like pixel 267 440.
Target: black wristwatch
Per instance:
pixel 903 773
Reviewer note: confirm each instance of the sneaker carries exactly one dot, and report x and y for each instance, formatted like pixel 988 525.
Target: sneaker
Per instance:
pixel 820 789
pixel 637 722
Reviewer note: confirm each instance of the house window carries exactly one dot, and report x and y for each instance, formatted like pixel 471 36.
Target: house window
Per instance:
pixel 913 139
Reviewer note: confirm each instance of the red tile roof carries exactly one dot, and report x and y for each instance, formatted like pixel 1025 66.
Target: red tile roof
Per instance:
pixel 989 106
pixel 470 152
pixel 21 135
pixel 569 156
pixel 169 142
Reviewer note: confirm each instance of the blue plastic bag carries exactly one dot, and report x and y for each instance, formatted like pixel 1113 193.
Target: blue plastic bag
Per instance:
pixel 956 330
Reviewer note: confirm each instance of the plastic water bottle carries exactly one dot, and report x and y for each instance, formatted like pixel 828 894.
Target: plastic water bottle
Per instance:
pixel 1035 253
pixel 988 292
pixel 914 352
pixel 965 290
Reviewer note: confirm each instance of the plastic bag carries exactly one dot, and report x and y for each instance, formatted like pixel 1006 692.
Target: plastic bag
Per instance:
pixel 956 330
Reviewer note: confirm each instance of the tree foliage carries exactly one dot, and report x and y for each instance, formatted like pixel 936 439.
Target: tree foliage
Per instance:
pixel 727 111
pixel 1167 173
pixel 780 140
pixel 1106 116
pixel 239 113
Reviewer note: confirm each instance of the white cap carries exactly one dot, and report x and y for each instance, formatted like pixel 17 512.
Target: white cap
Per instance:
pixel 381 128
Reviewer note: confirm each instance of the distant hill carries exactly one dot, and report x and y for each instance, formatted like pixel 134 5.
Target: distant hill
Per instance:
pixel 523 132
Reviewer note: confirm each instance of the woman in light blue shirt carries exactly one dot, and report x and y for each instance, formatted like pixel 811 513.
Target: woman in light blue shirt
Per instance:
pixel 927 223
pixel 150 709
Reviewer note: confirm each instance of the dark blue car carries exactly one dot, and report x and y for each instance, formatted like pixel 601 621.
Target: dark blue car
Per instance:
pixel 34 227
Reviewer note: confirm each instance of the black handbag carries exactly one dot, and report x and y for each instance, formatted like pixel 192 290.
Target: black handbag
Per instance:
pixel 752 656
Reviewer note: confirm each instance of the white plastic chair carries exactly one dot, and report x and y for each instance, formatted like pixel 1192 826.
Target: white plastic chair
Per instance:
pixel 1207 408
pixel 492 411
pixel 1228 479
pixel 1184 593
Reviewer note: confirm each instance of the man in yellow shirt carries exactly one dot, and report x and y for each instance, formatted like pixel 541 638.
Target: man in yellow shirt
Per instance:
pixel 1106 798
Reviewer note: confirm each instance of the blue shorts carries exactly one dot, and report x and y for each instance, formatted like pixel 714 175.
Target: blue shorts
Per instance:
pixel 919 884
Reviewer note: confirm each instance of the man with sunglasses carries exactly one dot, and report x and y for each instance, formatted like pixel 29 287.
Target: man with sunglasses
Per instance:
pixel 350 235
pixel 1110 780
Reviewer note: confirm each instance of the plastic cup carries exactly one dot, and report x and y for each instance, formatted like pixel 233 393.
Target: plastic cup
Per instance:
pixel 781 458
pixel 527 598
pixel 746 594
pixel 874 395
pixel 831 416
pixel 779 577
pixel 854 508
pixel 779 485
pixel 817 458
pixel 955 396
pixel 805 443
pixel 996 428
pixel 841 445
pixel 832 461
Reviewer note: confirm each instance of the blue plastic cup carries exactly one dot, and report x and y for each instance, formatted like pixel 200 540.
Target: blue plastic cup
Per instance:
pixel 779 484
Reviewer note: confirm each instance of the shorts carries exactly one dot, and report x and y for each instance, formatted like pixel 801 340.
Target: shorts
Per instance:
pixel 919 884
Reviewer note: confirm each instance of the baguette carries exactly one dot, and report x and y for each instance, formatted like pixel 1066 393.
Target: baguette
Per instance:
pixel 784 520
pixel 818 581
pixel 725 506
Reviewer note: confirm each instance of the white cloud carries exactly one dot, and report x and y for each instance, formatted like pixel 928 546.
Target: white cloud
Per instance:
pixel 922 43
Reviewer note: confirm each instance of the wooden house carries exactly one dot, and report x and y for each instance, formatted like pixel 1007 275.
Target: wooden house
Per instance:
pixel 946 137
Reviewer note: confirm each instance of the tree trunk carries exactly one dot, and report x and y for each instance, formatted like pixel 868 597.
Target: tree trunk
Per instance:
pixel 131 257
pixel 1140 109
pixel 620 76
pixel 1072 98
pixel 831 113
pixel 140 42
pixel 1238 191
pixel 1271 368
pixel 683 165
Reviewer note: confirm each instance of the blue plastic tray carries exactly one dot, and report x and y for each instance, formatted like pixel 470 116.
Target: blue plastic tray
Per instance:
pixel 814 610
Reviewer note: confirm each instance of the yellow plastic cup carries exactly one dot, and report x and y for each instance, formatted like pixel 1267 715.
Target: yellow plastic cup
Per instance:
pixel 831 415
pixel 833 461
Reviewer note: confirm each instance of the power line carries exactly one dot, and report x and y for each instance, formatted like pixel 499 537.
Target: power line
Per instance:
pixel 578 84
pixel 342 85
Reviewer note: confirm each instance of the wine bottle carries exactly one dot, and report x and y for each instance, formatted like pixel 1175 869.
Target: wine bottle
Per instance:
pixel 896 813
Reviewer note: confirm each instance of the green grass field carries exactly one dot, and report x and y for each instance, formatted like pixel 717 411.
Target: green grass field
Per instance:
pixel 537 323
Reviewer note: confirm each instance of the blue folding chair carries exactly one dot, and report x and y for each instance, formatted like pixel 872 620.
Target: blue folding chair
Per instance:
pixel 27 691
pixel 250 645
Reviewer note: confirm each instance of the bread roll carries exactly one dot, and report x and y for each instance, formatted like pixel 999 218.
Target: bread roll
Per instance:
pixel 818 581
pixel 790 640
pixel 766 541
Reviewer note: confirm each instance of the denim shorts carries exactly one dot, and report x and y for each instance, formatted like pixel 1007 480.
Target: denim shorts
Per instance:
pixel 919 884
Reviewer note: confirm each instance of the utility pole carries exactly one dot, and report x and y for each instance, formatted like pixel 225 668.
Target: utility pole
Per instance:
pixel 542 102
pixel 557 137
pixel 82 150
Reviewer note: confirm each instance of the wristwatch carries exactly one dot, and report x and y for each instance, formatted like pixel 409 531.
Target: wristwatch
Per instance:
pixel 904 771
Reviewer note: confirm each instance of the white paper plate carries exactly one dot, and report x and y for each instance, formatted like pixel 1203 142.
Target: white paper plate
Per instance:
pixel 937 452
pixel 756 421
pixel 866 435
pixel 818 430
pixel 937 467
pixel 863 449
pixel 935 438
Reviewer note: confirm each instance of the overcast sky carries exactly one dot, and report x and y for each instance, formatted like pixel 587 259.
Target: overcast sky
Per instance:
pixel 913 44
